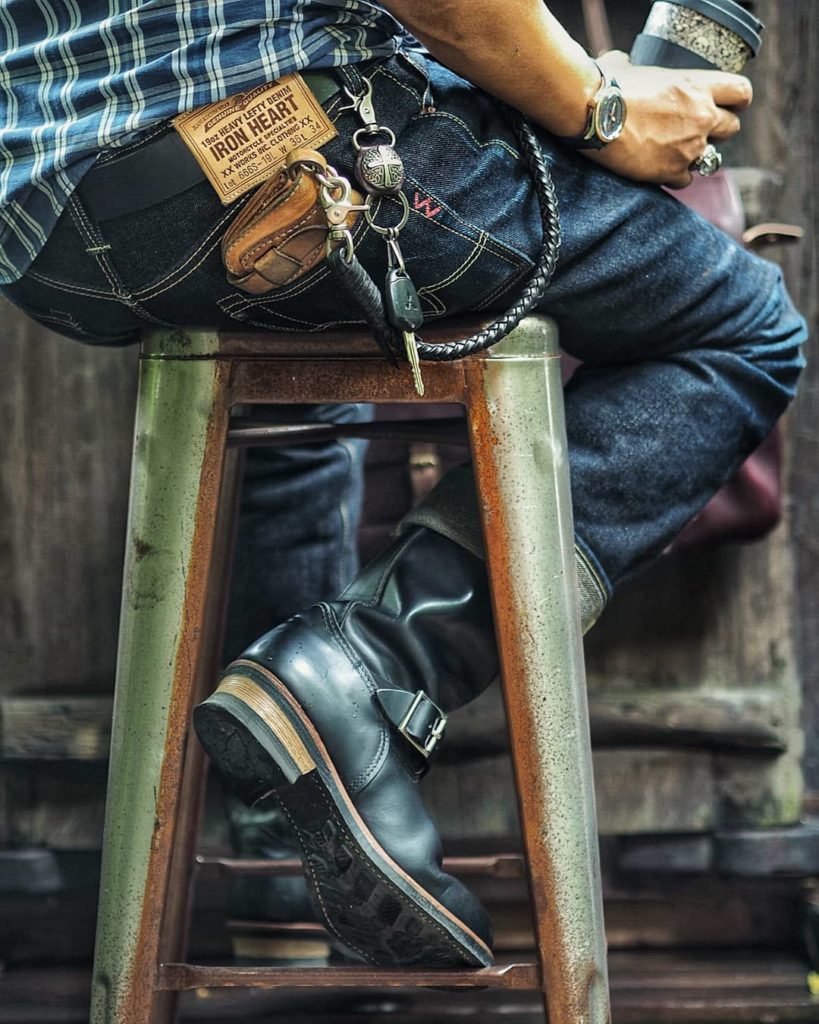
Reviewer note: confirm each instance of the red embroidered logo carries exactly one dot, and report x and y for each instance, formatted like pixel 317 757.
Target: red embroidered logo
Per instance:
pixel 425 204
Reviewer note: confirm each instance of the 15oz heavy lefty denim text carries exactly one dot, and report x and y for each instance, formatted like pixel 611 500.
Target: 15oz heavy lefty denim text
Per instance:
pixel 690 345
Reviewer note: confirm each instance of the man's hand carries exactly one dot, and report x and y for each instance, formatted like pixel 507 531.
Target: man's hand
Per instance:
pixel 672 115
pixel 518 51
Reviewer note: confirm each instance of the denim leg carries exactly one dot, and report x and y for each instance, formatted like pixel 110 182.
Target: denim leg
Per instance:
pixel 691 351
pixel 298 521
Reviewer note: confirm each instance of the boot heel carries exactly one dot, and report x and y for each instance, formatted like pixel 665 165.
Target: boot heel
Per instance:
pixel 250 738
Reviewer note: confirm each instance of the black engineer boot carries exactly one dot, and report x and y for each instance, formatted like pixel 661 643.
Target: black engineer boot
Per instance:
pixel 337 713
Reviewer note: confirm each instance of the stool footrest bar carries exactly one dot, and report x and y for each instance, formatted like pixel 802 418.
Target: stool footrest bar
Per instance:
pixel 500 865
pixel 247 433
pixel 177 977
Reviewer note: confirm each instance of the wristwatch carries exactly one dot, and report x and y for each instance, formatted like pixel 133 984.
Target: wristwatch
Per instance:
pixel 607 117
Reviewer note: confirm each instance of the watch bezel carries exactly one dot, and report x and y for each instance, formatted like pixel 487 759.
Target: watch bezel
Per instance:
pixel 597 130
pixel 594 137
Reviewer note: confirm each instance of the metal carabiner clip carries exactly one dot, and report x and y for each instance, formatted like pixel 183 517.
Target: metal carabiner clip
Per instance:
pixel 361 103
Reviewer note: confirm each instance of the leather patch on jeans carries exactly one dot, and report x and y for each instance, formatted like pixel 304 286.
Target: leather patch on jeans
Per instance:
pixel 243 140
pixel 280 234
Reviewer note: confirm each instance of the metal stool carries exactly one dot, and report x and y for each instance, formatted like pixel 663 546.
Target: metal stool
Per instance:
pixel 177 547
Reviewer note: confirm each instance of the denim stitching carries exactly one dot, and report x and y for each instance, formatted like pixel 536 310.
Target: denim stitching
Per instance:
pixel 505 254
pixel 73 289
pixel 83 225
pixel 419 96
pixel 60 318
pixel 167 284
pixel 468 130
pixel 88 231
pixel 456 275
pixel 422 70
pixel 54 316
pixel 502 288
pixel 436 306
pixel 458 272
pixel 172 280
pixel 309 328
pixel 239 309
pixel 494 245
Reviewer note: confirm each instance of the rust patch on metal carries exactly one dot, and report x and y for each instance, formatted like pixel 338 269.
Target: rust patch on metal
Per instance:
pixel 516 977
pixel 566 981
pixel 296 380
pixel 501 865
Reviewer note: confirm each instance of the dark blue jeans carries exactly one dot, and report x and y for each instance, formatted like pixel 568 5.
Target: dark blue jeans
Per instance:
pixel 690 346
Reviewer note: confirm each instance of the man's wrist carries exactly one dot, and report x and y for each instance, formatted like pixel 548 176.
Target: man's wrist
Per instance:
pixel 606 114
pixel 593 78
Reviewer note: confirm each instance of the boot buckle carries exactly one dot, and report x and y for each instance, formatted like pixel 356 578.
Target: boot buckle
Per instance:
pixel 428 733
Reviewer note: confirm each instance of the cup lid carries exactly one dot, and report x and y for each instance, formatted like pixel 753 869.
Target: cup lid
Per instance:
pixel 732 15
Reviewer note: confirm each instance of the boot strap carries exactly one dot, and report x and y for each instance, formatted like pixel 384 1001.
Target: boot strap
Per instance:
pixel 416 717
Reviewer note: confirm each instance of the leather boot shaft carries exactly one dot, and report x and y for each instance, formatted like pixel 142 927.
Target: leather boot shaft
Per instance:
pixel 419 616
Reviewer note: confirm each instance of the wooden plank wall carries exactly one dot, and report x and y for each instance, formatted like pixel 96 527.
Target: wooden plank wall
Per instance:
pixel 66 412
pixel 782 135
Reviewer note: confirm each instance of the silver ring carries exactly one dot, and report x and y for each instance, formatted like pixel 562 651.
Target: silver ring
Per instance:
pixel 710 161
pixel 391 232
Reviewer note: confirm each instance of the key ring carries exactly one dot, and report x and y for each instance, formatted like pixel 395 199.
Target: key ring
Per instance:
pixel 390 232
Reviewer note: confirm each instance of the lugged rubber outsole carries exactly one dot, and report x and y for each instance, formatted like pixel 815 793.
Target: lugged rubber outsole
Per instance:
pixel 258 735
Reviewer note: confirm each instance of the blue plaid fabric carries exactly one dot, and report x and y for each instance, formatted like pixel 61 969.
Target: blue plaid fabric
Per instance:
pixel 79 76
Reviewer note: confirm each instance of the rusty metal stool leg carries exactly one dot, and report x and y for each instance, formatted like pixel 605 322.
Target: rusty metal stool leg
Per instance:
pixel 180 441
pixel 521 463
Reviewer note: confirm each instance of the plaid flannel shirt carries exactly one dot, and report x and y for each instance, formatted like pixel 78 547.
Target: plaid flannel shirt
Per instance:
pixel 80 76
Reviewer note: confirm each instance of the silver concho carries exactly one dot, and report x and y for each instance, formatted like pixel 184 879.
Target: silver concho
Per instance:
pixel 379 170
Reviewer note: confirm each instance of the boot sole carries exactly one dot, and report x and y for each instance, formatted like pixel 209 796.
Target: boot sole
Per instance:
pixel 259 736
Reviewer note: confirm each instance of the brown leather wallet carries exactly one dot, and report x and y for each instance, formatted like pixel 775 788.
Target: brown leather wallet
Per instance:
pixel 281 232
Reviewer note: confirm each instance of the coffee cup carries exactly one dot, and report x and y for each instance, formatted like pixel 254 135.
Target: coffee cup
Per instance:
pixel 718 34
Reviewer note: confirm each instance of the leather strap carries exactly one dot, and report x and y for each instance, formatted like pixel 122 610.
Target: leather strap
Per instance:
pixel 417 718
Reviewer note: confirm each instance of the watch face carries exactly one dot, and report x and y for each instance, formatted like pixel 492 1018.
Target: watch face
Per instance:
pixel 610 116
